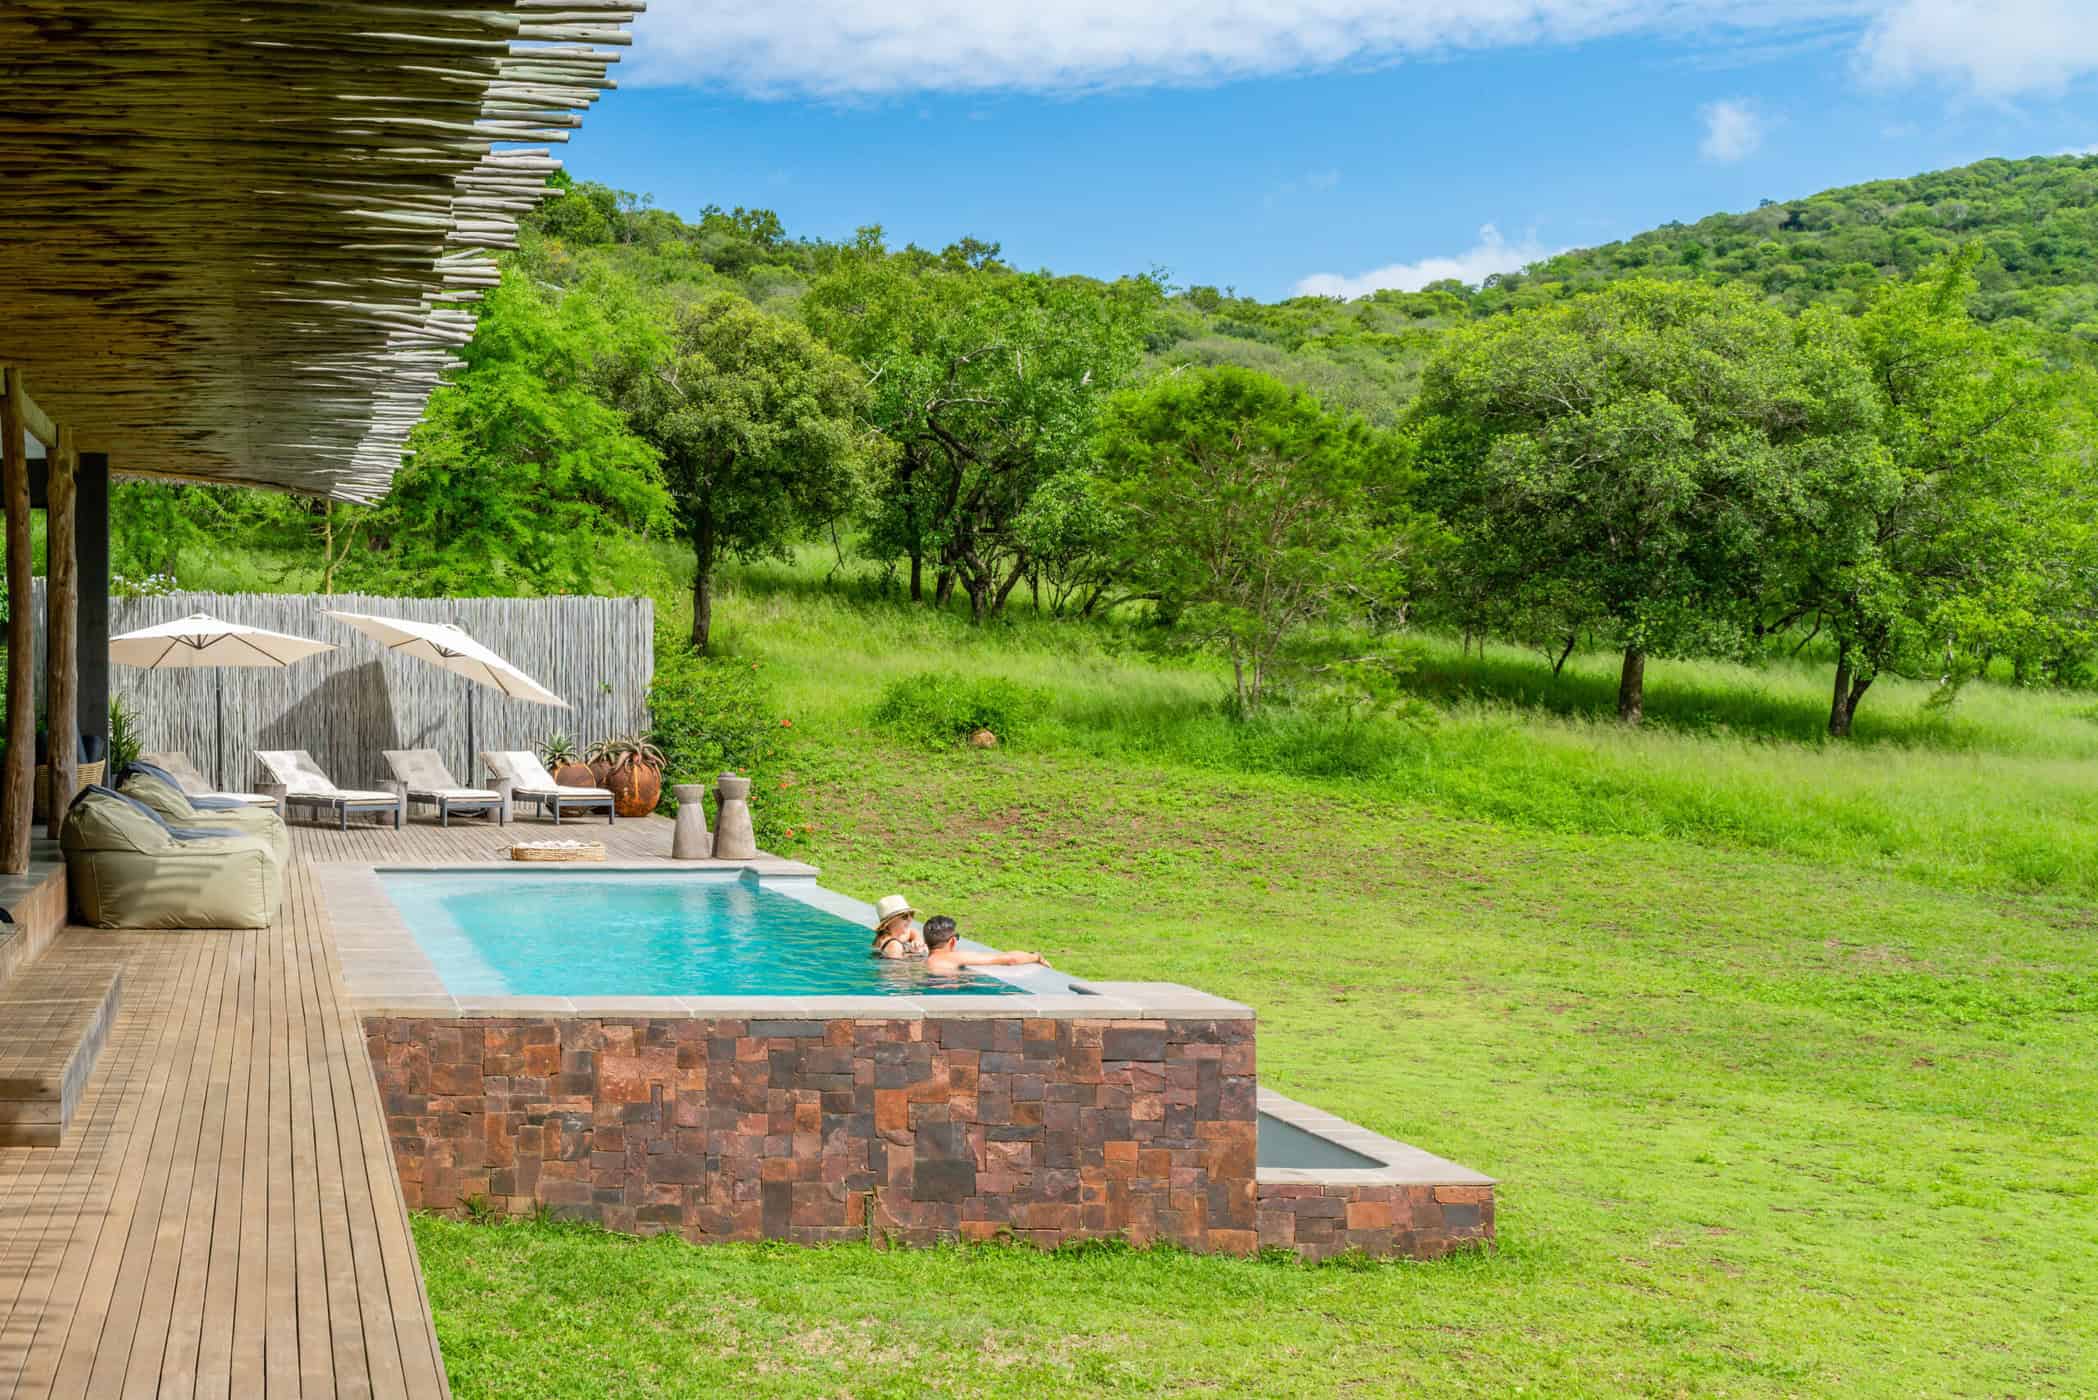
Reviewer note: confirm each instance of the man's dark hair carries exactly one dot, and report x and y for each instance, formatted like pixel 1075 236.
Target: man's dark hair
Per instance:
pixel 939 932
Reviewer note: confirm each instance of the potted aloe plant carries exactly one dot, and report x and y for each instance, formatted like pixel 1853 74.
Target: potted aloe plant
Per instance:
pixel 603 757
pixel 636 775
pixel 558 752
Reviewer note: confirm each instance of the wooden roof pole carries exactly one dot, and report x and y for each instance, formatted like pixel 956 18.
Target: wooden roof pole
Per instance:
pixel 20 764
pixel 62 623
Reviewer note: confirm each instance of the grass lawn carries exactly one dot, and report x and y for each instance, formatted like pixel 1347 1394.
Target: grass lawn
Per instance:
pixel 1772 1114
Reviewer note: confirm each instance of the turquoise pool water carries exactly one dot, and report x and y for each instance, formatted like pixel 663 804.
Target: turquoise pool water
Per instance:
pixel 498 933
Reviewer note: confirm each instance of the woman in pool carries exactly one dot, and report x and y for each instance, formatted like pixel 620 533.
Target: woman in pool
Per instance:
pixel 895 936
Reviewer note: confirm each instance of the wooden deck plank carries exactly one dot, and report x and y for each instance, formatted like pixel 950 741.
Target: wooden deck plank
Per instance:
pixel 309 1265
pixel 216 1320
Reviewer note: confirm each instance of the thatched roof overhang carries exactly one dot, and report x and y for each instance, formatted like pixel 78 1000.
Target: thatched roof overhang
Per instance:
pixel 240 239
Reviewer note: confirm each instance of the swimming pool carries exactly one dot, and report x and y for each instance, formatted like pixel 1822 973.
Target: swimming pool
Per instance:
pixel 576 934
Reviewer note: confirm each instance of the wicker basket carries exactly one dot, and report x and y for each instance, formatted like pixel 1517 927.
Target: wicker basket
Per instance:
pixel 588 850
pixel 85 776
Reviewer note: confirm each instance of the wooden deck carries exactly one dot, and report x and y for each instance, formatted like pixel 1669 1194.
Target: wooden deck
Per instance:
pixel 223 1218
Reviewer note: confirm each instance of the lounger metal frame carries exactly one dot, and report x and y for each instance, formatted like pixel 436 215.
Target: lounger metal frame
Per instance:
pixel 489 807
pixel 343 806
pixel 556 798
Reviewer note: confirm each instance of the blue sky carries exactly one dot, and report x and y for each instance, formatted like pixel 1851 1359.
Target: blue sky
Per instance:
pixel 1329 145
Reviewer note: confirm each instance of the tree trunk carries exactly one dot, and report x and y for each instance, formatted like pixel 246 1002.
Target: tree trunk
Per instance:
pixel 1005 591
pixel 917 577
pixel 703 581
pixel 943 589
pixel 1851 686
pixel 1560 664
pixel 1631 687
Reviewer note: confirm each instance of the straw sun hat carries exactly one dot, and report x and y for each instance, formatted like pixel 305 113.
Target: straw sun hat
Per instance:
pixel 890 907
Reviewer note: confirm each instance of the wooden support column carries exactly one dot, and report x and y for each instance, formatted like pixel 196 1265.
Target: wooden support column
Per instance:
pixel 20 766
pixel 62 632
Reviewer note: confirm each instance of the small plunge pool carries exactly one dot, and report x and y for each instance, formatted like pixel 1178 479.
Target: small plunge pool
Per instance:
pixel 615 933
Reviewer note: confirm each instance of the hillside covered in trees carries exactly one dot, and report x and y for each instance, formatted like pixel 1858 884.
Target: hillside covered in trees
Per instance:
pixel 1856 425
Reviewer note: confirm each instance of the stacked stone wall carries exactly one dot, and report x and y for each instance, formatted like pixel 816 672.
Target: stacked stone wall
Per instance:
pixel 1043 1129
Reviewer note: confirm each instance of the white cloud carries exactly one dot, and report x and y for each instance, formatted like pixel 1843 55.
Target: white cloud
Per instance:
pixel 1491 254
pixel 865 48
pixel 1733 131
pixel 848 48
pixel 1997 49
pixel 2090 150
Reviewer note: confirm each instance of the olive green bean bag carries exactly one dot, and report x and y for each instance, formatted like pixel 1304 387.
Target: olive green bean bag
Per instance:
pixel 127 868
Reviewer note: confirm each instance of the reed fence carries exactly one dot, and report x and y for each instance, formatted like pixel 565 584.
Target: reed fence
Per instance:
pixel 348 705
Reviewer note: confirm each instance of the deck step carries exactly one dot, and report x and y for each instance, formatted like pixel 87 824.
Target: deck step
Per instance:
pixel 55 1016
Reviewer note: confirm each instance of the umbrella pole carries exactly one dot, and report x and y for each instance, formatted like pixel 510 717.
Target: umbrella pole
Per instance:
pixel 218 701
pixel 469 770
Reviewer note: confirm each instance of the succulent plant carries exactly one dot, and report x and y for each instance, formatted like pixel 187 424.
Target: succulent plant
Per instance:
pixel 623 749
pixel 556 749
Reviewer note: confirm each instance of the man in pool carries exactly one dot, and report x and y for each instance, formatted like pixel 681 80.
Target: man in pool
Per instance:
pixel 895 936
pixel 945 953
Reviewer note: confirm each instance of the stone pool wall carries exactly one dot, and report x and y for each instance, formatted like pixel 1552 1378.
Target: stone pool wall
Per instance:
pixel 1411 1221
pixel 1041 1128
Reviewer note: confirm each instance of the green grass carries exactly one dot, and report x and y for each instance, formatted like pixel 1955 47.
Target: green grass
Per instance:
pixel 1782 1051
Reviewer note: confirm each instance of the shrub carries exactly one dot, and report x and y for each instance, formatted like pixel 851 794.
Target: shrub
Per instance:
pixel 942 708
pixel 717 715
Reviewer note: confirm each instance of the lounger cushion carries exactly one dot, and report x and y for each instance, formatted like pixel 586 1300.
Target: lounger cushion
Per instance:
pixel 298 772
pixel 127 870
pixel 178 767
pixel 528 776
pixel 428 779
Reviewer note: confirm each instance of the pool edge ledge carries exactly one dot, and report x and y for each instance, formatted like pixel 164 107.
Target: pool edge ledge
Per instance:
pixel 1100 1001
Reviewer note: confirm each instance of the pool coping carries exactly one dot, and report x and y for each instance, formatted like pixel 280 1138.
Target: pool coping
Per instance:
pixel 386 973
pixel 1402 1163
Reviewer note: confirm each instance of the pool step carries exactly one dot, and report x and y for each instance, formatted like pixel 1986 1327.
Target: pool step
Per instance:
pixel 55 1016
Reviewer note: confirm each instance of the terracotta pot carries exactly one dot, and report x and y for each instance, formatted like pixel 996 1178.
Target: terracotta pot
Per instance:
pixel 576 775
pixel 636 788
pixel 599 771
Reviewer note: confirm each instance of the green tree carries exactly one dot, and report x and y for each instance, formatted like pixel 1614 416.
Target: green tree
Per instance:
pixel 522 479
pixel 1251 512
pixel 759 432
pixel 988 383
pixel 1627 464
pixel 1981 546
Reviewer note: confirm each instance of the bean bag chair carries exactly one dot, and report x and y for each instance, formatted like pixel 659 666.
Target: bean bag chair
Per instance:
pixel 158 790
pixel 128 868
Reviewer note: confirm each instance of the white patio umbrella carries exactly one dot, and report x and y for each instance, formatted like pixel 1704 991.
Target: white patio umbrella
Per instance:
pixel 203 640
pixel 448 645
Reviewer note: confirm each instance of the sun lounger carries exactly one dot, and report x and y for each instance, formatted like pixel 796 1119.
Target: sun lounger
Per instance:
pixel 195 784
pixel 530 782
pixel 306 786
pixel 429 781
